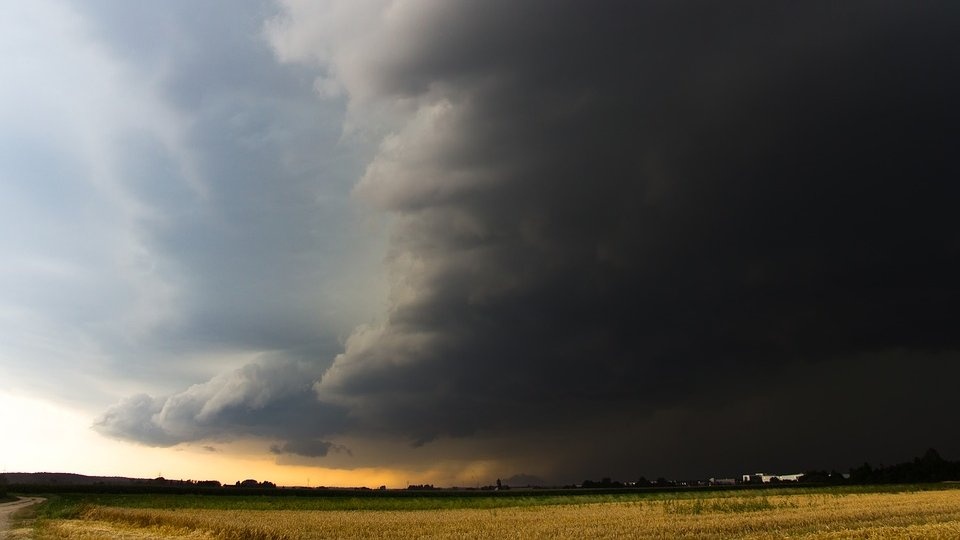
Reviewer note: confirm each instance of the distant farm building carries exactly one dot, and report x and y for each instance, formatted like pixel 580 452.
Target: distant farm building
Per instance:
pixel 723 481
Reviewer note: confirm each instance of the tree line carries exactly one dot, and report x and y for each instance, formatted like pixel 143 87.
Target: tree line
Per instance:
pixel 930 467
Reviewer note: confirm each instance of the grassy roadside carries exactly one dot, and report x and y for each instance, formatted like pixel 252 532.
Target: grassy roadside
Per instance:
pixel 60 507
pixel 22 524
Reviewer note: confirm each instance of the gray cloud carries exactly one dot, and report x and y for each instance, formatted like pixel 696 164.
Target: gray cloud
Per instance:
pixel 175 201
pixel 267 252
pixel 273 400
pixel 133 418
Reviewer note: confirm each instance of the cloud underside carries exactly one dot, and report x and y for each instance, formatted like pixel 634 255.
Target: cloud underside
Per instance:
pixel 640 222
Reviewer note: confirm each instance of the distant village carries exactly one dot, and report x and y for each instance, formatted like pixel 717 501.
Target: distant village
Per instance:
pixel 746 479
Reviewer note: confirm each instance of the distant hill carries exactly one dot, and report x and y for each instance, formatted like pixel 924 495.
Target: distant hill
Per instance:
pixel 68 479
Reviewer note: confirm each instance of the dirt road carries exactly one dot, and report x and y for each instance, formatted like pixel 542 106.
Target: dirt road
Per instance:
pixel 7 509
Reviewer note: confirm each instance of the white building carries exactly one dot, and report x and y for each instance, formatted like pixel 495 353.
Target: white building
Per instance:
pixel 767 478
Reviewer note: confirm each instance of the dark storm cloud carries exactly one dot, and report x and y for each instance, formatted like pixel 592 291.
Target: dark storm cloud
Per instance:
pixel 308 448
pixel 616 208
pixel 662 224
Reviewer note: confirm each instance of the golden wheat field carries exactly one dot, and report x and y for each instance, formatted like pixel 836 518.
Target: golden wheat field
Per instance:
pixel 917 514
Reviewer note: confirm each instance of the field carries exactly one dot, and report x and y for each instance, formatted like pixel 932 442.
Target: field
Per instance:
pixel 891 512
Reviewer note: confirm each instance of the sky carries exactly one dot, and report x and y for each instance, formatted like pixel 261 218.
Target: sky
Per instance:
pixel 364 242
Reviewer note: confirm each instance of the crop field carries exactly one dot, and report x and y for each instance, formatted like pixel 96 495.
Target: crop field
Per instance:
pixel 826 513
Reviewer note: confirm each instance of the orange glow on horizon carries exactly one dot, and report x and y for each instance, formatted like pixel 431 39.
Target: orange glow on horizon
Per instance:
pixel 45 437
